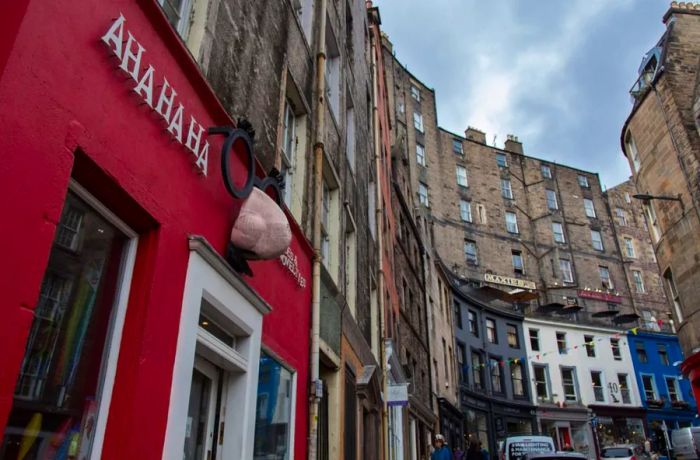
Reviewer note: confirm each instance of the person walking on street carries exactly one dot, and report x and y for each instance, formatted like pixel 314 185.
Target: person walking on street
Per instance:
pixel 457 453
pixel 441 452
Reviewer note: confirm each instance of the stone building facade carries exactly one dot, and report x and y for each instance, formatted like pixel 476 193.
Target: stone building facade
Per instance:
pixel 261 60
pixel 637 250
pixel 662 143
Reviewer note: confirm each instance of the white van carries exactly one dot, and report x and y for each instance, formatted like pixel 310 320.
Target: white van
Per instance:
pixel 686 443
pixel 515 447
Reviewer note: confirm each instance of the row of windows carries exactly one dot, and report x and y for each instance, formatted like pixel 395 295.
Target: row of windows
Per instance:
pixel 492 367
pixel 490 327
pixel 619 388
pixel 651 391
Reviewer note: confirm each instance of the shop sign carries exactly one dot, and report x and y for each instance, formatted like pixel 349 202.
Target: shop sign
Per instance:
pixel 508 281
pixel 289 262
pixel 603 296
pixel 397 395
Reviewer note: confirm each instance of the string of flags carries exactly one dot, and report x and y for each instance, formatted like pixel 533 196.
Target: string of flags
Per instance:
pixel 538 355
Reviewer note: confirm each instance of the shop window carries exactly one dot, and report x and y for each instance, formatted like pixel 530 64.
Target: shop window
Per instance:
pixel 517 258
pixel 491 333
pixel 641 352
pixel 596 240
pixel 470 252
pixel 513 341
pixel 517 377
pixel 541 382
pixel 558 232
pixel 465 211
pixel 615 347
pixel 501 160
pixel 567 274
pixel 589 341
pixel 663 354
pixel 473 323
pixel 477 425
pixel 597 382
pixel 649 387
pixel 512 223
pixel 420 155
pixel 496 375
pixel 568 380
pixel 605 279
pixel 461 172
pixel 561 343
pixel 506 189
pixel 65 379
pixel 674 393
pixel 546 171
pixel 273 415
pixel 551 199
pixel 583 181
pixel 534 339
pixel 477 371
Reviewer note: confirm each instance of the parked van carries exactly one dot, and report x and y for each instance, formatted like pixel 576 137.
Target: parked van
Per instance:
pixel 686 443
pixel 515 447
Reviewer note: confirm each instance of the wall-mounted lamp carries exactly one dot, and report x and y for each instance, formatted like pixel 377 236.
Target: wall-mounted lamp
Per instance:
pixel 647 197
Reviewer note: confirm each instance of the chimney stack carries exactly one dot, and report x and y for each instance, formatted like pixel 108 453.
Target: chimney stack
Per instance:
pixel 513 144
pixel 475 135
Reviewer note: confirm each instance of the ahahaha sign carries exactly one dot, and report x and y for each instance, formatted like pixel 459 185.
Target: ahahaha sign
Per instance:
pixel 130 53
pixel 507 281
pixel 397 395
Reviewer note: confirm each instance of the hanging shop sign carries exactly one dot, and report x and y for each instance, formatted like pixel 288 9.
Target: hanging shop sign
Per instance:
pixel 261 230
pixel 397 395
pixel 507 281
pixel 603 296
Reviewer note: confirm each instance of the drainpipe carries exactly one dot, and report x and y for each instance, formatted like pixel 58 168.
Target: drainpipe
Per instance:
pixel 379 219
pixel 320 111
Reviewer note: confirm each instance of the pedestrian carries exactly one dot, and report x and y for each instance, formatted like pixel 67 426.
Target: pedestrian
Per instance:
pixel 647 446
pixel 474 451
pixel 457 453
pixel 484 452
pixel 441 452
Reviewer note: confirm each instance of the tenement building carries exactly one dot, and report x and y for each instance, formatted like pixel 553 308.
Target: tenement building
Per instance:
pixel 661 140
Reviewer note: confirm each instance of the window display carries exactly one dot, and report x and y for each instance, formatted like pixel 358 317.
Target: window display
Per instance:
pixel 273 413
pixel 57 392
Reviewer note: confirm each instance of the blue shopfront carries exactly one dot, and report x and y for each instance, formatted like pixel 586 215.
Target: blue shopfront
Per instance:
pixel 666 395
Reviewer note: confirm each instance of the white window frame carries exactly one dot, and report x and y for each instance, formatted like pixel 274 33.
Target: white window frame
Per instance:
pixel 512 224
pixel 675 295
pixel 561 232
pixel 350 135
pixel 676 388
pixel 418 122
pixel 461 173
pixel 650 214
pixel 415 92
pixel 615 345
pixel 112 346
pixel 567 274
pixel 629 248
pixel 546 171
pixel 545 374
pixel 457 147
pixel 423 194
pixel 468 244
pixel 605 279
pixel 518 255
pixel 465 211
pixel 289 144
pixel 210 278
pixel 420 154
pixel 574 383
pixel 598 240
pixel 633 152
pixel 589 208
pixel 183 24
pixel 622 218
pixel 583 181
pixel 654 388
pixel 551 197
pixel 502 160
pixel 506 189
pixel 638 281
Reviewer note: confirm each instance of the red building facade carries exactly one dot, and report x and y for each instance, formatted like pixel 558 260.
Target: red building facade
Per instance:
pixel 125 332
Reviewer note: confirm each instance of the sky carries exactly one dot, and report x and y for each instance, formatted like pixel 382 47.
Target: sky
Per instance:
pixel 555 73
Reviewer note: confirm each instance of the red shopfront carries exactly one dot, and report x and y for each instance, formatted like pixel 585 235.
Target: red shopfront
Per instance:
pixel 125 334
